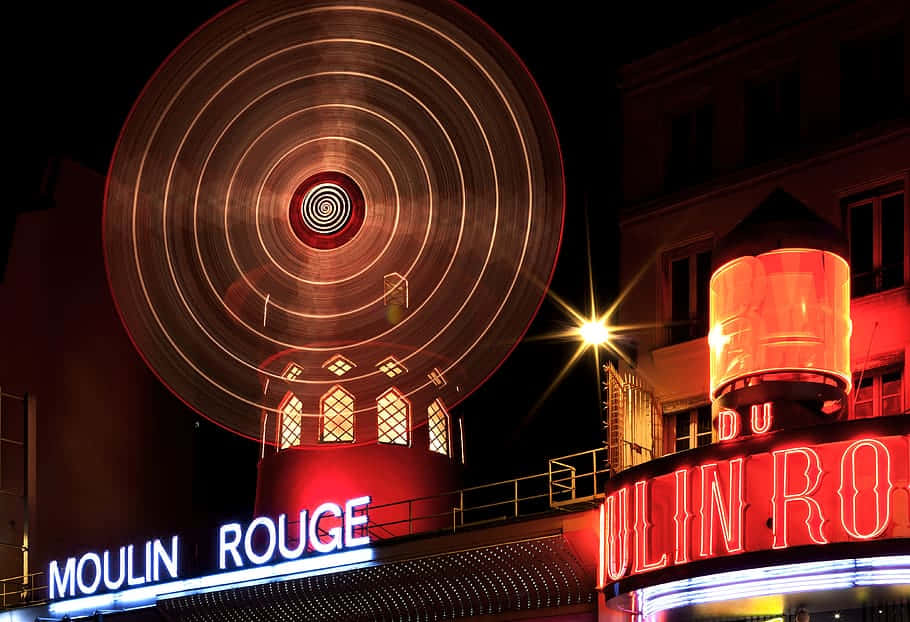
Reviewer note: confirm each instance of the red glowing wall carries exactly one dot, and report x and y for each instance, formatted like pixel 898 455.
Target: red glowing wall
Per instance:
pixel 296 479
pixel 791 494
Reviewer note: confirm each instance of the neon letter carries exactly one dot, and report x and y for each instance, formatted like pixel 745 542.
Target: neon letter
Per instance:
pixel 60 586
pixel 761 423
pixel 80 573
pixel 681 517
pixel 229 547
pixel 617 533
pixel 601 573
pixel 351 521
pixel 161 557
pixel 731 516
pixel 812 475
pixel 251 555
pixel 334 543
pixel 108 583
pixel 882 463
pixel 642 526
pixel 130 579
pixel 728 425
pixel 283 536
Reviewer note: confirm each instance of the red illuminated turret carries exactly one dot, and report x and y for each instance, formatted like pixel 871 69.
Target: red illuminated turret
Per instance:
pixel 780 314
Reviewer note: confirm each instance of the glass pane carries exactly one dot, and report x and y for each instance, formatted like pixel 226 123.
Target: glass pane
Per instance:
pixel 680 148
pixel 891 383
pixel 788 124
pixel 679 294
pixel 682 444
pixel 682 426
pixel 864 391
pixel 862 410
pixel 703 439
pixel 704 420
pixel 893 241
pixel 891 405
pixel 760 118
pixel 704 141
pixel 861 260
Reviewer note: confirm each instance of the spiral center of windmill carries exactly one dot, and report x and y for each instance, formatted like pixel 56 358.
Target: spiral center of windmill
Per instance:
pixel 327 210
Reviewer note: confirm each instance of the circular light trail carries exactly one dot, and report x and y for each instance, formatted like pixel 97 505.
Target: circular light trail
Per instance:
pixel 392 192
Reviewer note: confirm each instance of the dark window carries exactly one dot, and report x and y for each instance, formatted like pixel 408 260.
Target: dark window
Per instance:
pixel 679 293
pixel 872 80
pixel 691 156
pixel 772 117
pixel 689 282
pixel 693 428
pixel 703 426
pixel 879 394
pixel 893 231
pixel 682 431
pixel 877 234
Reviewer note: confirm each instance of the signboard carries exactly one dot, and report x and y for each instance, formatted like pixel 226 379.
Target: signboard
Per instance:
pixel 791 494
pixel 331 527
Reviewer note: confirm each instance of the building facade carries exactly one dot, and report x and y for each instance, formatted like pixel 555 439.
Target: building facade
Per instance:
pixel 752 135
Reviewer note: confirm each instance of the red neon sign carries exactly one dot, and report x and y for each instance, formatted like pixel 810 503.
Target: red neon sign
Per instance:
pixel 789 496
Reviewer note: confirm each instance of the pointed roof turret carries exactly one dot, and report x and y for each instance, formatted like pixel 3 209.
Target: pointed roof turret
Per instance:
pixel 780 221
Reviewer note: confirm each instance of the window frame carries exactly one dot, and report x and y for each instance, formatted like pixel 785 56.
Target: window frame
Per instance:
pixel 679 179
pixel 350 417
pixel 874 195
pixel 877 375
pixel 690 251
pixel 670 421
pixel 781 144
pixel 382 416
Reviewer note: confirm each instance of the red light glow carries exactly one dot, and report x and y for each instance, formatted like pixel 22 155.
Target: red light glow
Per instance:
pixel 881 499
pixel 783 311
pixel 617 533
pixel 730 516
pixel 728 425
pixel 810 479
pixel 842 491
pixel 642 527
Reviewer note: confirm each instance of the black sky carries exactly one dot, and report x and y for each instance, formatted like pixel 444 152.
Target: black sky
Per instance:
pixel 79 66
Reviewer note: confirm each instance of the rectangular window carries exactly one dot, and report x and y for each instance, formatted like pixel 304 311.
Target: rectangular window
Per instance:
pixel 872 80
pixel 877 239
pixel 879 394
pixel 693 428
pixel 689 280
pixel 691 155
pixel 772 117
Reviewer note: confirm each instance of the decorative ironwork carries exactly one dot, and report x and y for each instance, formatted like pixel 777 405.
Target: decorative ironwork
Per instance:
pixel 337 416
pixel 393 418
pixel 438 426
pixel 291 409
pixel 391 367
pixel 339 365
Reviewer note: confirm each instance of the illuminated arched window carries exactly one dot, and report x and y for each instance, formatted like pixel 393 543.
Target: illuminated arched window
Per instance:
pixel 337 416
pixel 291 428
pixel 438 426
pixel 393 418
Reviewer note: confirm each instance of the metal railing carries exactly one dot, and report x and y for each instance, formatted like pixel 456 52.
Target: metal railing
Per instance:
pixel 578 478
pixel 22 590
pixel 570 481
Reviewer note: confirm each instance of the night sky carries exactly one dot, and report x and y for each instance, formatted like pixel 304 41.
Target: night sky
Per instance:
pixel 80 66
